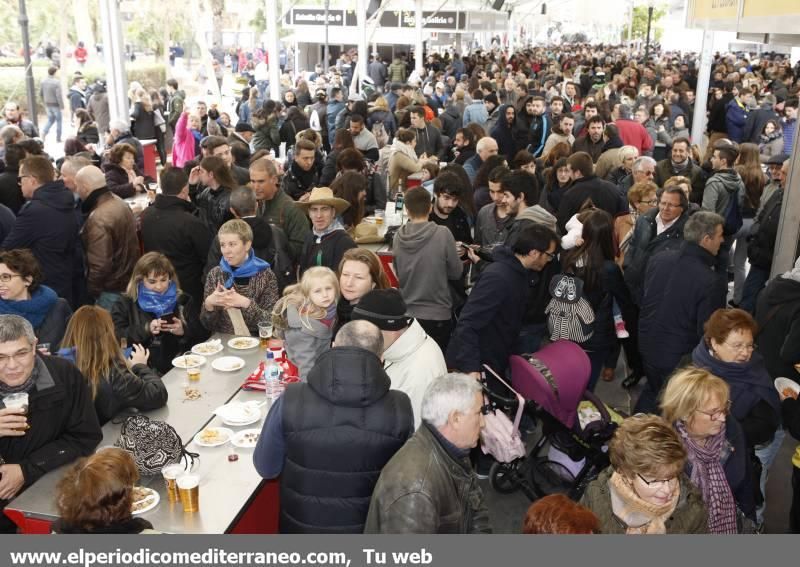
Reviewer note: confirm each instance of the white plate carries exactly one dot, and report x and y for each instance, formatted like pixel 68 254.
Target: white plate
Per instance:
pixel 238 414
pixel 188 361
pixel 781 383
pixel 227 364
pixel 244 343
pixel 224 434
pixel 152 496
pixel 246 439
pixel 208 348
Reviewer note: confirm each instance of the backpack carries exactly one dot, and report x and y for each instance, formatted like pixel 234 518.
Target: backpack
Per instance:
pixel 153 444
pixel 732 215
pixel 280 258
pixel 380 133
pixel 570 316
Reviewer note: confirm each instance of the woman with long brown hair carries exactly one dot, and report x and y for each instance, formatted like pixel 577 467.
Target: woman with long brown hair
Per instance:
pixel 96 496
pixel 116 383
pixel 748 166
pixel 360 271
pixel 214 201
pixel 342 140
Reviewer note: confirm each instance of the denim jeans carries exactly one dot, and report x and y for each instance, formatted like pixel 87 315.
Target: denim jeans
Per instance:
pixel 766 454
pixel 753 284
pixel 530 338
pixel 740 259
pixel 53 117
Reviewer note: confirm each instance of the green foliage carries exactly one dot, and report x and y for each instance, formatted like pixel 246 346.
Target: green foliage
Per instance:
pixel 12 80
pixel 640 23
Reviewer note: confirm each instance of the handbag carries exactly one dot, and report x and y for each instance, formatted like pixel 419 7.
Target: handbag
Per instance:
pixel 499 436
pixel 153 444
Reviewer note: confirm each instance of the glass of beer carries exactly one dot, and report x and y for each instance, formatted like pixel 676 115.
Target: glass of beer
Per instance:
pixel 265 332
pixel 19 403
pixel 193 373
pixel 189 492
pixel 380 216
pixel 171 474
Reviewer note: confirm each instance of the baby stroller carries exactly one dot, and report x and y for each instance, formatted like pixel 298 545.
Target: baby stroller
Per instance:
pixel 576 425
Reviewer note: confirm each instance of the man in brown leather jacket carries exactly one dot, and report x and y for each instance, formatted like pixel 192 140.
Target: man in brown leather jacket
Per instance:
pixel 109 237
pixel 428 486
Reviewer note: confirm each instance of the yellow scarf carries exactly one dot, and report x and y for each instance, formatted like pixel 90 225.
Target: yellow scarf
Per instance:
pixel 639 517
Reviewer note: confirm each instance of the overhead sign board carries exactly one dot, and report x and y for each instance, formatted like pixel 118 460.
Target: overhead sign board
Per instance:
pixel 745 16
pixel 441 20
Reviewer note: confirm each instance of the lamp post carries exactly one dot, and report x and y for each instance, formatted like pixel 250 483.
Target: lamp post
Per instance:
pixel 26 47
pixel 649 21
pixel 325 51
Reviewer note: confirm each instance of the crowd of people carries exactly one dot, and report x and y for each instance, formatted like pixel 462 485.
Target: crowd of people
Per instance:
pixel 544 195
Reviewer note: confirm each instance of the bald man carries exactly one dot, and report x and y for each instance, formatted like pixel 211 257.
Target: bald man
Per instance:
pixel 108 236
pixel 70 168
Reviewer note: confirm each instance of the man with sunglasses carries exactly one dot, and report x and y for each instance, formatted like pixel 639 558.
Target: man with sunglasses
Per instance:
pixel 57 425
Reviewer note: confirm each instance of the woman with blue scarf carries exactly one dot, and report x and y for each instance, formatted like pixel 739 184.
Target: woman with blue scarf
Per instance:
pixel 154 313
pixel 727 351
pixel 21 294
pixel 241 281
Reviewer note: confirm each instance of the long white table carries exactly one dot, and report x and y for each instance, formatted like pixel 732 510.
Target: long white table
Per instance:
pixel 226 487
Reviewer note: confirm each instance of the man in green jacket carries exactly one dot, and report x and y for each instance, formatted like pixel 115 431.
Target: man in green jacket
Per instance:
pixel 276 206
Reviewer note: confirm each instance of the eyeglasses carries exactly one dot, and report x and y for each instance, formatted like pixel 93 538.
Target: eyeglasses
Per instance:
pixel 651 202
pixel 5 278
pixel 549 255
pixel 17 357
pixel 21 177
pixel 718 415
pixel 657 483
pixel 738 347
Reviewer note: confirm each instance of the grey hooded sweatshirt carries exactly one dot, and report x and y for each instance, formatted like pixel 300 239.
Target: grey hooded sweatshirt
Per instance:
pixel 425 257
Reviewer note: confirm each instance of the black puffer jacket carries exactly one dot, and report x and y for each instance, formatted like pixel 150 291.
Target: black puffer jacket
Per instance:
pixel 140 388
pixel 326 251
pixel 133 324
pixel 778 317
pixel 764 232
pixel 341 428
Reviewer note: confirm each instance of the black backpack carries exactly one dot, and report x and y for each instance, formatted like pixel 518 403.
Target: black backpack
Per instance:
pixel 732 214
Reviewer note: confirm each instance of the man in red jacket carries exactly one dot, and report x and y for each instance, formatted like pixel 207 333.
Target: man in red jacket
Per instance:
pixel 631 132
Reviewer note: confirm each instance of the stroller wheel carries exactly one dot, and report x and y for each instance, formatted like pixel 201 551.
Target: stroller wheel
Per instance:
pixel 503 477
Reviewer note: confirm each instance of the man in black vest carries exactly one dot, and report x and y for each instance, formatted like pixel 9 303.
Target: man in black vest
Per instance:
pixel 333 435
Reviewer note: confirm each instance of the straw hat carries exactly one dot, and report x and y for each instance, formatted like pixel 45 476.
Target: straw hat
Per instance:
pixel 367 233
pixel 324 196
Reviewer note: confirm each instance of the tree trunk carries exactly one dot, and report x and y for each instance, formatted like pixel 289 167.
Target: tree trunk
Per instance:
pixel 217 14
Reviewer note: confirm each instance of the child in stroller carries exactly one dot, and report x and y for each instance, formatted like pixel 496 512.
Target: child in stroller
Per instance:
pixel 576 425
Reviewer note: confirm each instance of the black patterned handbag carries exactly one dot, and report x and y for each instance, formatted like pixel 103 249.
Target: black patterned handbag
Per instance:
pixel 153 444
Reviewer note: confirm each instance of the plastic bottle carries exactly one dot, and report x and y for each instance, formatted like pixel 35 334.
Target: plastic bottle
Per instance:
pixel 272 378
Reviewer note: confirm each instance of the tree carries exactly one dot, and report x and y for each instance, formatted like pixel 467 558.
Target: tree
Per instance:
pixel 640 24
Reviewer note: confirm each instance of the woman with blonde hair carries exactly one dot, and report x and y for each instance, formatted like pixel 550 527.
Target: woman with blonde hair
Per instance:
pixel 625 158
pixel 116 383
pixel 645 490
pixel 306 315
pixel 379 112
pixel 403 160
pixel 95 496
pixel 155 313
pixel 240 281
pixel 641 198
pixel 698 405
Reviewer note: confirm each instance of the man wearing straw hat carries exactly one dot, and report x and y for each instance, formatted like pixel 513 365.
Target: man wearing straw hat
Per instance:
pixel 328 240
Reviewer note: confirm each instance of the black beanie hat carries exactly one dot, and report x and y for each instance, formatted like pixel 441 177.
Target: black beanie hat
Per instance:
pixel 384 308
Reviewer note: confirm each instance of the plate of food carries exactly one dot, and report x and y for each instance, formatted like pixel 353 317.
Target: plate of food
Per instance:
pixel 208 348
pixel 188 361
pixel 247 438
pixel 238 414
pixel 244 343
pixel 213 436
pixel 144 500
pixel 787 388
pixel 227 364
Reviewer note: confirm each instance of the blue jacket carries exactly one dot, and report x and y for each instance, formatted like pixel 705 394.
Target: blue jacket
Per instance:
pixel 334 108
pixel 681 291
pixel 735 119
pixel 492 317
pixel 475 112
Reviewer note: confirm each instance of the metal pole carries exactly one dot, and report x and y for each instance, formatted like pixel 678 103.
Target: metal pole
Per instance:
pixel 114 54
pixel 26 47
pixel 418 55
pixel 363 52
pixel 326 54
pixel 630 23
pixel 510 32
pixel 273 50
pixel 701 94
pixel 649 19
pixel 789 227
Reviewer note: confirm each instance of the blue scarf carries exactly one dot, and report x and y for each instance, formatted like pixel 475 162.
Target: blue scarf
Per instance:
pixel 249 268
pixel 157 303
pixel 34 309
